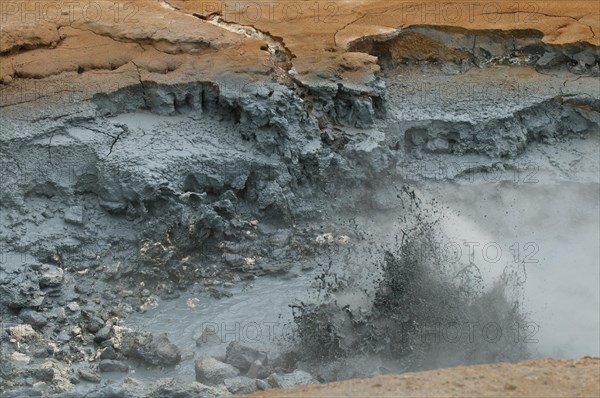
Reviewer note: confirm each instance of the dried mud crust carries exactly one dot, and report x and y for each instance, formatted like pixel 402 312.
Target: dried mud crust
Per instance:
pixel 539 378
pixel 320 43
pixel 321 36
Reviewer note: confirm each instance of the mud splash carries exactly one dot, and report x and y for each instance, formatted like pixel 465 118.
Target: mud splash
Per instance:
pixel 403 302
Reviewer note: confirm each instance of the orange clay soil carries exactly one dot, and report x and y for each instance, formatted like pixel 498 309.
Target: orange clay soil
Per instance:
pixel 52 47
pixel 545 378
pixel 318 33
pixel 106 44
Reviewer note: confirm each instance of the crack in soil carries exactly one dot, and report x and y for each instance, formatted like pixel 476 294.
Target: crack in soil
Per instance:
pixel 123 131
pixel 141 83
pixel 275 45
pixel 345 26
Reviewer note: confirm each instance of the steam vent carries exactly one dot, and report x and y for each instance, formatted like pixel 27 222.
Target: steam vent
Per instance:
pixel 299 198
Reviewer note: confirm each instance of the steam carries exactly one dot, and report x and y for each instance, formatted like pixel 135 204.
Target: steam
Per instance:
pixel 550 230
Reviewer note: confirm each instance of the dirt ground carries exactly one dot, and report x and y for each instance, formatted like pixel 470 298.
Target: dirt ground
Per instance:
pixel 543 378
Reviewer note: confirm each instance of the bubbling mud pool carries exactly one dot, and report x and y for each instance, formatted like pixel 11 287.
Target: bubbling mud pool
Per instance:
pixel 257 315
pixel 519 229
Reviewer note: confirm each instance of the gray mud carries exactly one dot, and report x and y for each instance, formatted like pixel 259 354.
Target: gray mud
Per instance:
pixel 148 228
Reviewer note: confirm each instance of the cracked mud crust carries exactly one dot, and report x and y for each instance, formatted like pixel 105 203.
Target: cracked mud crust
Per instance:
pixel 546 378
pixel 195 40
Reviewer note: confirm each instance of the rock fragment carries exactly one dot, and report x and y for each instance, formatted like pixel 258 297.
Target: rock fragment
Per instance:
pixel 74 215
pixel 111 365
pixel 22 332
pixel 89 375
pixel 51 276
pixel 296 378
pixel 258 370
pixel 262 385
pixel 34 318
pixel 20 288
pixel 243 357
pixel 211 371
pixel 240 385
pixel 150 349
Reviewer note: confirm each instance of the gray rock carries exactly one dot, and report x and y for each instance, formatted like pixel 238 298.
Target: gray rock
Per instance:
pixel 224 207
pixel 219 293
pixel 42 352
pixel 74 215
pixel 24 392
pixel 262 385
pixel 89 375
pixel 586 57
pixel 110 365
pixel 109 353
pixel 102 391
pixel 34 318
pixel 266 229
pixel 240 385
pixel 230 196
pixel 162 352
pixel 296 378
pixel 43 374
pixel 103 334
pixel 93 321
pixel 152 350
pixel 64 336
pixel 20 288
pixel 175 391
pixel 281 238
pixel 550 59
pixel 211 371
pixel 74 379
pixel 278 254
pixel 51 276
pixel 271 194
pixel 258 370
pixel 242 357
